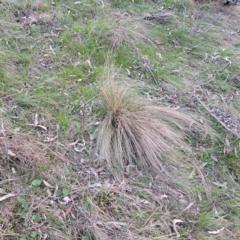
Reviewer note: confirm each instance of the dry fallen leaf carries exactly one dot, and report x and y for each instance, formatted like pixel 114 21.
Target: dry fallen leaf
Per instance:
pixel 227 143
pixel 55 192
pixel 175 221
pixel 206 57
pixel 73 143
pixel 193 173
pixel 227 60
pixel 189 206
pixel 66 212
pixel 47 184
pixel 67 199
pixel 117 224
pixel 83 143
pixel 49 193
pixel 78 150
pixel 223 185
pixel 217 231
pixel 36 119
pixel 160 195
pixel 39 126
pixel 227 148
pixel 202 166
pixel 47 139
pixel 123 181
pixel 10 153
pixel 145 201
pixel 159 55
pixel 214 158
pixel 89 63
pixel 51 50
pixel 236 152
pixel 94 185
pixel 128 72
pixel 6 196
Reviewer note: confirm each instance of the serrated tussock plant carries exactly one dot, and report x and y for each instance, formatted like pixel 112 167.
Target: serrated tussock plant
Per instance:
pixel 134 133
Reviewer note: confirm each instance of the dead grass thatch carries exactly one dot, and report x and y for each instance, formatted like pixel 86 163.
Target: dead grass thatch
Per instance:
pixel 20 148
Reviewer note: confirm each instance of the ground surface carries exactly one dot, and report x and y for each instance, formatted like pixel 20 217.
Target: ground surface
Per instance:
pixel 53 55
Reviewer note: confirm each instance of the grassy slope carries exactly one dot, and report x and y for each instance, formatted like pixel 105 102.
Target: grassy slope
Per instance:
pixel 52 57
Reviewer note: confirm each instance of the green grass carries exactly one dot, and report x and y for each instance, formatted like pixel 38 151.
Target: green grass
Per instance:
pixel 53 57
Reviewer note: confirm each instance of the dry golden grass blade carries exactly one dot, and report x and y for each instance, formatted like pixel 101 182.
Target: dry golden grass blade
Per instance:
pixel 134 133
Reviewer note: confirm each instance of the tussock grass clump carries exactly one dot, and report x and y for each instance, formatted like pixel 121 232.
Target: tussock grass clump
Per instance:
pixel 133 133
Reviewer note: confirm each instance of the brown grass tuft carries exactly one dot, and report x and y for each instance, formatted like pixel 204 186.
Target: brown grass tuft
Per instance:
pixel 133 133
